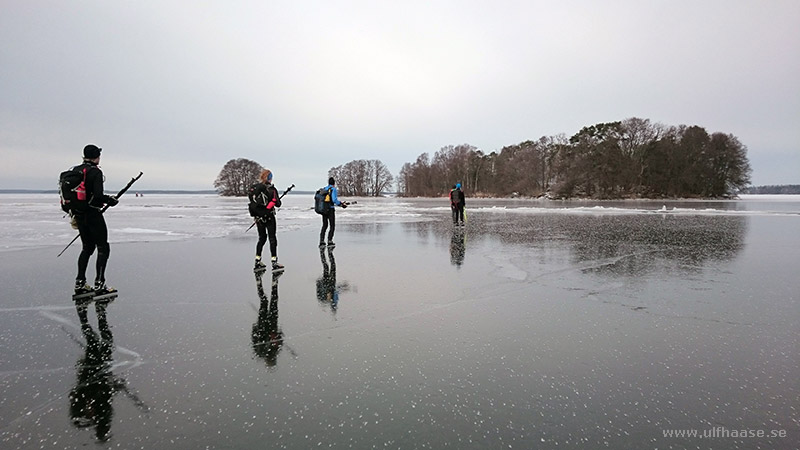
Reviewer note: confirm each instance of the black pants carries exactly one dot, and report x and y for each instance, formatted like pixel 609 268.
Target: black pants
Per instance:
pixel 329 218
pixel 94 235
pixel 266 227
pixel 458 212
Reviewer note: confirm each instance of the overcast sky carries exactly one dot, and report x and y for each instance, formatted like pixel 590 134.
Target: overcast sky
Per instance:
pixel 177 88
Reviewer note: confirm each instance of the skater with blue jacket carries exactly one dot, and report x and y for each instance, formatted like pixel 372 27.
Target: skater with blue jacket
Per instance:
pixel 329 217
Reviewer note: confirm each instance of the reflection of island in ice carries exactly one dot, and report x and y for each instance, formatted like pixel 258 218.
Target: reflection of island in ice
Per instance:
pixel 613 244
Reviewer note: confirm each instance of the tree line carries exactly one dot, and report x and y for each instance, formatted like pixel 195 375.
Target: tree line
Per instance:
pixel 774 189
pixel 362 178
pixel 630 158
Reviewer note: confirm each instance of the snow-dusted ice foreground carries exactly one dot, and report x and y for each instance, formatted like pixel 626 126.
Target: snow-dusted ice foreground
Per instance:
pixel 538 325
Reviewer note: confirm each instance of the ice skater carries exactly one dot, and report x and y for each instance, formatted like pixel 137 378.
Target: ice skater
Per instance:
pixel 264 199
pixel 457 204
pixel 329 216
pixel 87 215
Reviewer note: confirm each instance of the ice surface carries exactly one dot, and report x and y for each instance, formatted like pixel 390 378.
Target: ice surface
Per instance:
pixel 538 325
pixel 35 220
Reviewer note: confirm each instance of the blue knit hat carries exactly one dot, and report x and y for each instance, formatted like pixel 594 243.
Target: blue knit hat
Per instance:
pixel 458 185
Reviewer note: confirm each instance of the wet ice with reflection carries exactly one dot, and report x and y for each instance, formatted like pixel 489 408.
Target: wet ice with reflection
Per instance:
pixel 578 327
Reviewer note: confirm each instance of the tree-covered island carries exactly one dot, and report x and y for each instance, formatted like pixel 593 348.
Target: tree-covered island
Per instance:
pixel 633 158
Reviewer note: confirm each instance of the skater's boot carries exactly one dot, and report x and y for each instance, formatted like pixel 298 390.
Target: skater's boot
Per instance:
pixel 259 265
pixel 275 264
pixel 81 287
pixel 101 288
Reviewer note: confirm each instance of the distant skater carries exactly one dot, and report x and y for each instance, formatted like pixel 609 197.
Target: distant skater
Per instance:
pixel 88 217
pixel 263 201
pixel 329 217
pixel 457 203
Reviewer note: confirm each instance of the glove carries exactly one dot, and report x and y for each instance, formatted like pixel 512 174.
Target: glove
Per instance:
pixel 344 205
pixel 112 201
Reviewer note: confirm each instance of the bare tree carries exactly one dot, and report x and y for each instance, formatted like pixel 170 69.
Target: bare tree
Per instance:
pixel 362 178
pixel 381 178
pixel 404 180
pixel 236 176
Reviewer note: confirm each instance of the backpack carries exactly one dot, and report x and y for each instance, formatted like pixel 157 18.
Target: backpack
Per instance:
pixel 257 206
pixel 72 189
pixel 322 201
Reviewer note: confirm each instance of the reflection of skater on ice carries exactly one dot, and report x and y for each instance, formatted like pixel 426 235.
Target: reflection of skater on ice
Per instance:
pixel 458 246
pixel 327 289
pixel 267 337
pixel 91 400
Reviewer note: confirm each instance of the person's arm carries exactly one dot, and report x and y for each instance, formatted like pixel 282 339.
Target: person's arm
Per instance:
pixel 273 200
pixel 278 202
pixel 94 181
pixel 335 197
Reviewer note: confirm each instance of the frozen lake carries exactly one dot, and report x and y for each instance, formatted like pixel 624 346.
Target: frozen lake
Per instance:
pixel 34 220
pixel 539 325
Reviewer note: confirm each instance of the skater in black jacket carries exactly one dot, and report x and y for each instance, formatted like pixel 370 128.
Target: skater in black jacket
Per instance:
pixel 263 201
pixel 88 217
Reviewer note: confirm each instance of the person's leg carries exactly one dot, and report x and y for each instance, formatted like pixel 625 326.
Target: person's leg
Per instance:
pixel 454 211
pixel 273 238
pixel 324 228
pixel 100 232
pixel 262 237
pixel 461 212
pixel 332 220
pixel 88 246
